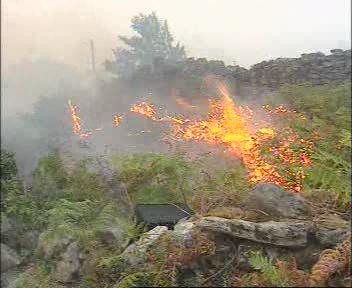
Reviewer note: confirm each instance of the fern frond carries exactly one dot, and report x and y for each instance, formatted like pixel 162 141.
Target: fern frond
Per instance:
pixel 331 261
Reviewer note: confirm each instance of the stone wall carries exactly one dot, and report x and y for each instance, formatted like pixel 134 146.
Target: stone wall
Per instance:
pixel 315 68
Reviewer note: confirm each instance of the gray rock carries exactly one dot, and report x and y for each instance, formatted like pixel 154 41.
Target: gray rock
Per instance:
pixel 9 278
pixel 110 235
pixel 331 230
pixel 275 201
pixel 49 248
pixel 5 225
pixel 135 253
pixel 67 269
pixel 284 234
pixel 9 258
pixel 29 240
pixel 330 237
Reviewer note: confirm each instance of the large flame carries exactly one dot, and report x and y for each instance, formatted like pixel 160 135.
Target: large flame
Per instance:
pixel 229 125
pixel 226 124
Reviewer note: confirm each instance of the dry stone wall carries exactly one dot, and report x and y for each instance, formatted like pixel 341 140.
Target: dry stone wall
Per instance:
pixel 315 68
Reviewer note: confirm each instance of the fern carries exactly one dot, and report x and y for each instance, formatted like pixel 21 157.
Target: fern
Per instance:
pixel 139 279
pixel 81 219
pixel 153 177
pixel 268 270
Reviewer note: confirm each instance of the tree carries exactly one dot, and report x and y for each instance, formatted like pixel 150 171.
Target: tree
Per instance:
pixel 154 42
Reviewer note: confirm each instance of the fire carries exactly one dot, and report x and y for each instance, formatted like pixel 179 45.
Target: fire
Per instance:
pixel 117 120
pixel 270 155
pixel 227 124
pixel 267 131
pixel 76 125
pixel 144 109
pixel 76 122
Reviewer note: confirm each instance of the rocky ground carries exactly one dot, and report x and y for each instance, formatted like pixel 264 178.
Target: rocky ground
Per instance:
pixel 200 250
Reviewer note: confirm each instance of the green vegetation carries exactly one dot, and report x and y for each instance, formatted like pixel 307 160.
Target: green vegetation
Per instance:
pixel 269 271
pixel 154 178
pixel 270 274
pixel 79 203
pixel 328 112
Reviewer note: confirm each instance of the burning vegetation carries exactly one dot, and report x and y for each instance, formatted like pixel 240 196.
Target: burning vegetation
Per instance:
pixel 221 146
pixel 232 126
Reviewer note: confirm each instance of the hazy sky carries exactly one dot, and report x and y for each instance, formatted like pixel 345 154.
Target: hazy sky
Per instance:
pixel 247 31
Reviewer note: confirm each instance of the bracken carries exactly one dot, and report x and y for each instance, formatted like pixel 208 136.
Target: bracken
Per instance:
pixel 330 262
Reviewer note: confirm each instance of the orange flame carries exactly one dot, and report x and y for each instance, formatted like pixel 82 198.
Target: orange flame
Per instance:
pixel 144 109
pixel 227 125
pixel 76 125
pixel 117 120
pixel 76 122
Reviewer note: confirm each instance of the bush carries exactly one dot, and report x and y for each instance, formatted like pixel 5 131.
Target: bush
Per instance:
pixel 50 176
pixel 154 178
pixel 8 165
pixel 83 220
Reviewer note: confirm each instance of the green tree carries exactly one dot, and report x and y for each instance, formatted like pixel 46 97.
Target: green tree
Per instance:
pixel 152 43
pixel 8 165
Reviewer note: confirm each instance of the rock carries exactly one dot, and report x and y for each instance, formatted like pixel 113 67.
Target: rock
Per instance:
pixel 5 225
pixel 329 238
pixel 67 269
pixel 9 278
pixel 29 240
pixel 110 235
pixel 275 201
pixel 183 232
pixel 332 230
pixel 49 248
pixel 135 253
pixel 226 212
pixel 284 234
pixel 9 258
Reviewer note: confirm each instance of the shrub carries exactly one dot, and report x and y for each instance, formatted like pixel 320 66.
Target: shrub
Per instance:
pixel 50 176
pixel 153 178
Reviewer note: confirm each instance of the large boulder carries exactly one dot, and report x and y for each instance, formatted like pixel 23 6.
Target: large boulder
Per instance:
pixel 9 258
pixel 276 201
pixel 284 234
pixel 67 269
